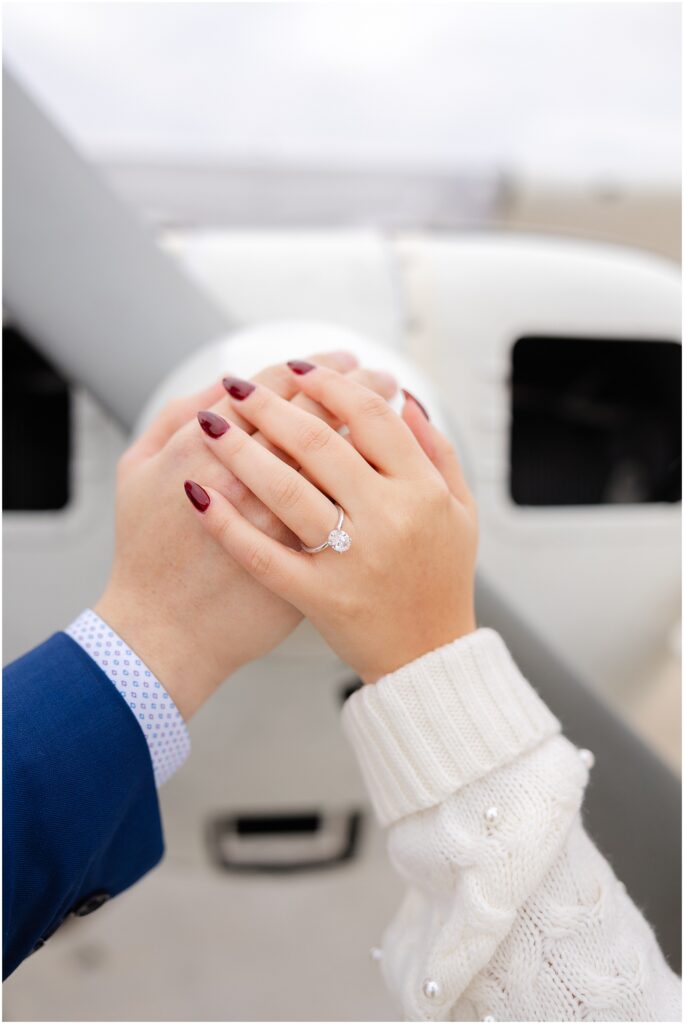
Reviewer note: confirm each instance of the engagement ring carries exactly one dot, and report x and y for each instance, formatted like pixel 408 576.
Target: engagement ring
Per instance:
pixel 338 539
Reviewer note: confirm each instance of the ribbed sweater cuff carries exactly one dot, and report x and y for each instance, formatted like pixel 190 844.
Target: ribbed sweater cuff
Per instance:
pixel 442 721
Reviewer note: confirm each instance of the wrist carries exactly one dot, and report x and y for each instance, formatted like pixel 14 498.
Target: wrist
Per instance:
pixel 400 654
pixel 160 642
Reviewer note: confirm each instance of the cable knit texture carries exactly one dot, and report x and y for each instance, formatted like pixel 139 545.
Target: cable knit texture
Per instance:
pixel 511 910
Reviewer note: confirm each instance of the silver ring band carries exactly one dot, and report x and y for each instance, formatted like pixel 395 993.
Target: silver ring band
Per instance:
pixel 337 539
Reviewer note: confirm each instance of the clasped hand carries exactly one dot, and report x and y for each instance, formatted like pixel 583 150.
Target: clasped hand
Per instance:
pixel 264 466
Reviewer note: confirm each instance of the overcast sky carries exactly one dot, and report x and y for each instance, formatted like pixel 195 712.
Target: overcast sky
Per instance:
pixel 551 90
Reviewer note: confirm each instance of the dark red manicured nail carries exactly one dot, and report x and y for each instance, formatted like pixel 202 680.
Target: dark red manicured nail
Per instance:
pixel 407 394
pixel 197 495
pixel 299 366
pixel 211 424
pixel 237 388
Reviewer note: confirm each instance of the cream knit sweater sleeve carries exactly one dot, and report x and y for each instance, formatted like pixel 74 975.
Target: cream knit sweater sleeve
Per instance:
pixel 511 912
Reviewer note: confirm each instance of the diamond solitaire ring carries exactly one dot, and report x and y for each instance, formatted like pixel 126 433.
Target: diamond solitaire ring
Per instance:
pixel 338 539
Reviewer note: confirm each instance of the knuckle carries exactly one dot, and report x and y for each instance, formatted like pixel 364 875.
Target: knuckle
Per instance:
pixel 259 561
pixel 345 605
pixel 237 439
pixel 314 437
pixel 373 406
pixel 286 490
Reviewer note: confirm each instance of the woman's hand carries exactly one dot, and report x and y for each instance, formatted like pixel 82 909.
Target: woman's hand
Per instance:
pixel 193 615
pixel 405 586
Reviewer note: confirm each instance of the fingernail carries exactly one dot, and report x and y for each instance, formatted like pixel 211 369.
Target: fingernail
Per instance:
pixel 211 424
pixel 407 394
pixel 237 388
pixel 197 495
pixel 300 367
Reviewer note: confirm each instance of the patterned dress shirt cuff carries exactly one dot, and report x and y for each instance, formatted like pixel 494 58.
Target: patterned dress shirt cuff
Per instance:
pixel 157 715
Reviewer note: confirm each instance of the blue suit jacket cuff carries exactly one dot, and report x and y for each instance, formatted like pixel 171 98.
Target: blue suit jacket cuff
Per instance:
pixel 81 814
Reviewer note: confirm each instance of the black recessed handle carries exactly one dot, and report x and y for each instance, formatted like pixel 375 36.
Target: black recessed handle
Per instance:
pixel 280 842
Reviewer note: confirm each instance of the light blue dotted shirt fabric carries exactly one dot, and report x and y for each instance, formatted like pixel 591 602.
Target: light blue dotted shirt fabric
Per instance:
pixel 158 717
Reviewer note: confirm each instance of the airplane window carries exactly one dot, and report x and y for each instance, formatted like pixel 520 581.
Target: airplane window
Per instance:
pixel 595 422
pixel 36 421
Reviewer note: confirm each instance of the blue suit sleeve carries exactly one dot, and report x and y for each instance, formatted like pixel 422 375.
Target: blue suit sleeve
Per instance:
pixel 80 809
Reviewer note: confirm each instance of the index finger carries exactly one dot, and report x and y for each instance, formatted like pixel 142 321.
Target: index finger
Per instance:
pixel 280 380
pixel 376 431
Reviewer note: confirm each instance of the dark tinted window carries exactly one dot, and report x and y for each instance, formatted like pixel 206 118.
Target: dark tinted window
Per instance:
pixel 595 422
pixel 36 421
